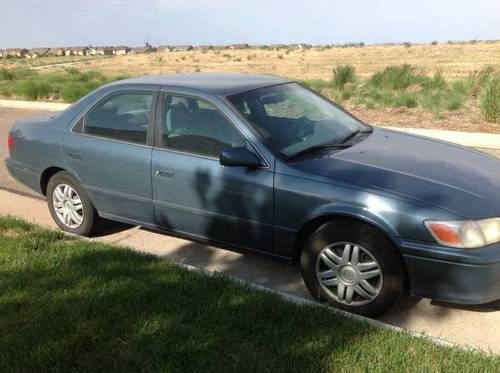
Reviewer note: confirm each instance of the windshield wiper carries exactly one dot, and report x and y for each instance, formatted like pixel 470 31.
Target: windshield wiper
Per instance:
pixel 355 133
pixel 316 148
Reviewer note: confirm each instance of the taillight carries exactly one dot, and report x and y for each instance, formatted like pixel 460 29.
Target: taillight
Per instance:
pixel 10 142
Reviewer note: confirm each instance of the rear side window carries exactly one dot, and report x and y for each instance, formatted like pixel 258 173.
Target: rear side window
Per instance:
pixel 196 126
pixel 123 116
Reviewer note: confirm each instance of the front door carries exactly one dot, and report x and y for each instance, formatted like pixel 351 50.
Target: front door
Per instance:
pixel 193 193
pixel 112 155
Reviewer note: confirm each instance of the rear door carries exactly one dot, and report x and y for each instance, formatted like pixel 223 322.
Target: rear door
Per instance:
pixel 110 151
pixel 192 192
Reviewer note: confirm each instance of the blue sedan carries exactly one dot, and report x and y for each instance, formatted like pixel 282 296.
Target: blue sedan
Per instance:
pixel 262 163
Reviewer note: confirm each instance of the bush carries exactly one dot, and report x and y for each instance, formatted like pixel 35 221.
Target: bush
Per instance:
pixel 405 99
pixel 477 80
pixel 455 102
pixel 342 75
pixel 34 90
pixel 397 77
pixel 73 92
pixel 490 100
pixel 437 82
pixel 69 84
pixel 316 84
pixel 16 74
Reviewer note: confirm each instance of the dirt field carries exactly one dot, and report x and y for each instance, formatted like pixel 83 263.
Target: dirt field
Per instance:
pixel 454 60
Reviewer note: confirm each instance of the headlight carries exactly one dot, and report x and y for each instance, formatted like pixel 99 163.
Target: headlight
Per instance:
pixel 465 234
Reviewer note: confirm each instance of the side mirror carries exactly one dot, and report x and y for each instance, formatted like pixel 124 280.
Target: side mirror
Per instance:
pixel 240 157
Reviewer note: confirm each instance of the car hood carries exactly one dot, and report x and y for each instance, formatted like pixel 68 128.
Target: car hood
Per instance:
pixel 432 172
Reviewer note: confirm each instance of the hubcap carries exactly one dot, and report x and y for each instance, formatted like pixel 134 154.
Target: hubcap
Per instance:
pixel 349 273
pixel 68 206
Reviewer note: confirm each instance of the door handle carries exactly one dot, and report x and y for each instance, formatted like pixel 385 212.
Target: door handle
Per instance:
pixel 75 155
pixel 164 173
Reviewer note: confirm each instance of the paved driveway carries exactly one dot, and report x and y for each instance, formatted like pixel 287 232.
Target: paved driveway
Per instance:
pixel 471 325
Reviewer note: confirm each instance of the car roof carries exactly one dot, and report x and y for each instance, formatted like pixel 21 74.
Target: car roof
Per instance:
pixel 222 84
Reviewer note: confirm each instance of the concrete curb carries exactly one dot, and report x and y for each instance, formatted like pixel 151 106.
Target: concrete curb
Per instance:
pixel 33 105
pixel 470 139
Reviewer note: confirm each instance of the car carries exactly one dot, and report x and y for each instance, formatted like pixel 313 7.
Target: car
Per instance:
pixel 263 163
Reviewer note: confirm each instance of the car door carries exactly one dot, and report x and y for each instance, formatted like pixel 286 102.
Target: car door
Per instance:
pixel 110 151
pixel 192 192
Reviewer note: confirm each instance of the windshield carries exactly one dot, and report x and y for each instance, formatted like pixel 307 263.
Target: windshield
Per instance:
pixel 293 119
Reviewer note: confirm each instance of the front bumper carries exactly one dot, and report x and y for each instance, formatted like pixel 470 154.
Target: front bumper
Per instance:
pixel 453 275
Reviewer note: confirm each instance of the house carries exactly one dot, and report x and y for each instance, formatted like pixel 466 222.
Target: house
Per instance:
pixel 56 52
pixel 239 46
pixel 121 50
pixel 182 48
pixel 92 50
pixel 37 52
pixel 101 51
pixel 80 51
pixel 1 53
pixel 15 52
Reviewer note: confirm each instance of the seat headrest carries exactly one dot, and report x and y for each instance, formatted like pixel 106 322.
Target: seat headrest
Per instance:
pixel 178 116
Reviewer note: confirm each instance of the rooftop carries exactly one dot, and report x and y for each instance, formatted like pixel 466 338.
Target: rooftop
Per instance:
pixel 221 84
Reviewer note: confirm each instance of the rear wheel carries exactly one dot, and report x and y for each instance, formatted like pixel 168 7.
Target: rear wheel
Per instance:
pixel 70 206
pixel 352 266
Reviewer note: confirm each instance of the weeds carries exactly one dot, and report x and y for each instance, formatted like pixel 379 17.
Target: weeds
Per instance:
pixel 68 85
pixel 407 86
pixel 342 75
pixel 397 77
pixel 395 86
pixel 490 100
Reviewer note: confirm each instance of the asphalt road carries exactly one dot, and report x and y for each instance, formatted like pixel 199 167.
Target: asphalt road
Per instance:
pixel 476 326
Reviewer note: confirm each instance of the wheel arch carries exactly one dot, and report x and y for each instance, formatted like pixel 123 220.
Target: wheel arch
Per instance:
pixel 313 222
pixel 48 172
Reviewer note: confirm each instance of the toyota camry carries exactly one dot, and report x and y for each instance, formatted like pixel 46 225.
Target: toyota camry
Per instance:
pixel 263 163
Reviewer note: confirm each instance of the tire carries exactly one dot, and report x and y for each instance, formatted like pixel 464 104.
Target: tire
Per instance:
pixel 347 283
pixel 65 192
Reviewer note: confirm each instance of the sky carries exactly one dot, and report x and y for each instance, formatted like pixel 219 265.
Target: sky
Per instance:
pixel 39 23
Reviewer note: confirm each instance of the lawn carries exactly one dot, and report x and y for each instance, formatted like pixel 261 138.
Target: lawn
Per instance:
pixel 70 304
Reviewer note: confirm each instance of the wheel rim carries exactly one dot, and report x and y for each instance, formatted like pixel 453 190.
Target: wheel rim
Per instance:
pixel 67 206
pixel 349 273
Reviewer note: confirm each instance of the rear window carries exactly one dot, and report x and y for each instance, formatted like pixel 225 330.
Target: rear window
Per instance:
pixel 123 116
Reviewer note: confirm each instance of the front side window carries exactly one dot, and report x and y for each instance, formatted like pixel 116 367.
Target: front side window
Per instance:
pixel 293 119
pixel 123 116
pixel 196 126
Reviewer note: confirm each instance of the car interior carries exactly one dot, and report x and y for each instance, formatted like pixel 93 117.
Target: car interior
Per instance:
pixel 111 120
pixel 195 126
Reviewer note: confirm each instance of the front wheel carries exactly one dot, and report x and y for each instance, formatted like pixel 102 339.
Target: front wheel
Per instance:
pixel 353 267
pixel 70 206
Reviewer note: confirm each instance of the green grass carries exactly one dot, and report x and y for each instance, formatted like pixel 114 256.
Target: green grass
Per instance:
pixel 68 85
pixel 342 75
pixel 490 100
pixel 72 305
pixel 395 86
pixel 407 86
